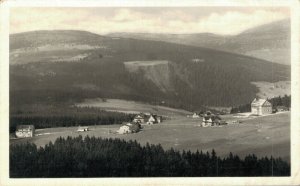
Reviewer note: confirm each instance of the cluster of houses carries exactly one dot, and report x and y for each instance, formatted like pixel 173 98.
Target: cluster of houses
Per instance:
pixel 137 122
pixel 25 131
pixel 259 107
pixel 212 120
pixel 149 119
pixel 209 119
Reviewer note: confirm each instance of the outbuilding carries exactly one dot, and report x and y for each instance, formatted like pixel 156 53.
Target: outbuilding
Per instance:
pixel 82 129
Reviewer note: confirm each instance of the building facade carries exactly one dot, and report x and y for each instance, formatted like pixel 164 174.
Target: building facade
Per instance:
pixel 261 107
pixel 140 118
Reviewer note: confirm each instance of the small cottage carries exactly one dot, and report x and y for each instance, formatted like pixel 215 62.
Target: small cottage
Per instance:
pixel 152 120
pixel 195 115
pixel 124 129
pixel 25 131
pixel 206 121
pixel 261 107
pixel 139 118
pixel 129 128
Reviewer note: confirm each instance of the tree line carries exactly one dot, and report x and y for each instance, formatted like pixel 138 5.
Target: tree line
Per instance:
pixel 276 101
pixel 97 157
pixel 48 117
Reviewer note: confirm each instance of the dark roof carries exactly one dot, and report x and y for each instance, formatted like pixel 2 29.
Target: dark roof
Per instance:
pixel 212 117
pixel 139 116
pixel 207 117
pixel 258 102
pixel 24 127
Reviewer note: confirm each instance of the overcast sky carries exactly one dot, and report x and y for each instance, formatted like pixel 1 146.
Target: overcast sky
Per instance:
pixel 218 20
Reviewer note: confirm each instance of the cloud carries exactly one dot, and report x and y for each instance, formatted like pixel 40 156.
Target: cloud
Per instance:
pixel 236 22
pixel 162 20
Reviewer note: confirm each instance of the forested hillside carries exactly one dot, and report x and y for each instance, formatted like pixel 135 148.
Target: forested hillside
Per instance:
pixel 69 66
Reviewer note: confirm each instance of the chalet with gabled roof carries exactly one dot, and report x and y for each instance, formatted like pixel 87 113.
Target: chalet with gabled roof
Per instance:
pixel 139 118
pixel 261 107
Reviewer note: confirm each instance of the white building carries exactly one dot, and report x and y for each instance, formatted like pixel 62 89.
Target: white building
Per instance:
pixel 261 107
pixel 82 129
pixel 129 128
pixel 125 129
pixel 151 120
pixel 195 115
pixel 25 131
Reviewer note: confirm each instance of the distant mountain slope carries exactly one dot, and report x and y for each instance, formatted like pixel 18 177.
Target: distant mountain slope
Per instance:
pixel 270 42
pixel 68 66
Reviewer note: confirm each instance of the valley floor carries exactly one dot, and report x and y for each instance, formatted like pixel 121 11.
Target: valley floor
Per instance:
pixel 263 136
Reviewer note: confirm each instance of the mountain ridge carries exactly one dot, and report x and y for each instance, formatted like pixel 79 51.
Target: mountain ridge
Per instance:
pixel 62 66
pixel 269 42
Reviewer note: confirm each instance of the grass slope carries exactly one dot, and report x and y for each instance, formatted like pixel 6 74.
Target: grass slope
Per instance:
pixel 263 136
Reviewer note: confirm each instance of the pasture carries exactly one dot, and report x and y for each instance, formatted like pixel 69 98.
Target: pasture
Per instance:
pixel 146 63
pixel 125 106
pixel 263 136
pixel 269 90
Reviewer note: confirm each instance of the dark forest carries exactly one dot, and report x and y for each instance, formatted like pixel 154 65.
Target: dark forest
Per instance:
pixel 97 157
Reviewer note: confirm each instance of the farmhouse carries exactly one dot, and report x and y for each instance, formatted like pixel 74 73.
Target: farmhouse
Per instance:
pixel 140 118
pixel 154 119
pixel 207 121
pixel 211 120
pixel 25 131
pixel 261 107
pixel 129 128
pixel 124 129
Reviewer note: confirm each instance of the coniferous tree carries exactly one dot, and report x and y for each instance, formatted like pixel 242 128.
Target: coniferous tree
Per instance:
pixel 97 157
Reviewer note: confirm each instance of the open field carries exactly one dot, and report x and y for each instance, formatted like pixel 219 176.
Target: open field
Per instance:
pixel 270 90
pixel 132 107
pixel 263 136
pixel 146 63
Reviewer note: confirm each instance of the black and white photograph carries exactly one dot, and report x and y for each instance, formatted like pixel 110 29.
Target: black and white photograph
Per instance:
pixel 161 92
